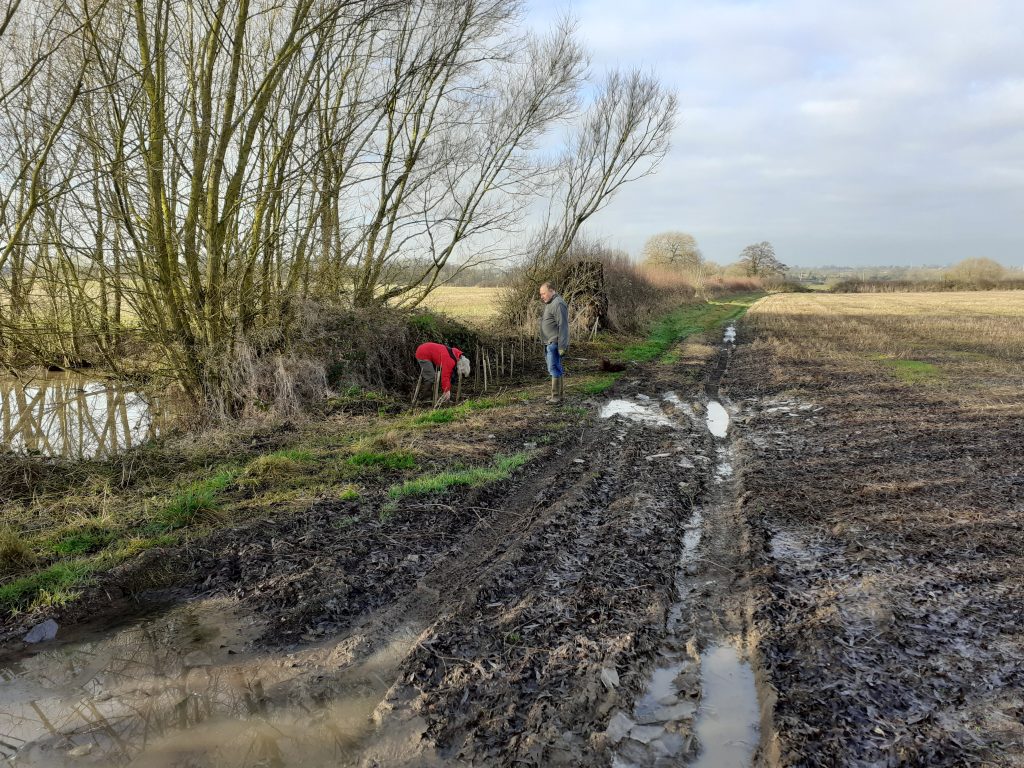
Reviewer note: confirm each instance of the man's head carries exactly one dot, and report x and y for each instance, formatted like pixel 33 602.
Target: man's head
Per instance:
pixel 462 366
pixel 547 292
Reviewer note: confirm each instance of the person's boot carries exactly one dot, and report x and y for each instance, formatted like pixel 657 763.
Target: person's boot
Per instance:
pixel 561 388
pixel 553 400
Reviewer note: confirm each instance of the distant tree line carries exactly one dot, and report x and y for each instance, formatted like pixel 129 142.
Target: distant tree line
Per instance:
pixel 678 252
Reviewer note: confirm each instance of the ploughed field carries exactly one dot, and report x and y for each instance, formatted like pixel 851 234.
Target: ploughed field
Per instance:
pixel 881 471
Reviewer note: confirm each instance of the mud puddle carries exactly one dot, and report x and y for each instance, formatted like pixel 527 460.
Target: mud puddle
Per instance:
pixel 717 419
pixel 642 410
pixel 700 704
pixel 181 689
pixel 726 725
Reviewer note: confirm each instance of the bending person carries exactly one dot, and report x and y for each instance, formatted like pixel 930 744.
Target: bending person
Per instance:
pixel 434 357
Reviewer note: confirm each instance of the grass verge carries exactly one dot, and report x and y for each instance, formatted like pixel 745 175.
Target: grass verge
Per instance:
pixel 458 412
pixel 686 321
pixel 196 503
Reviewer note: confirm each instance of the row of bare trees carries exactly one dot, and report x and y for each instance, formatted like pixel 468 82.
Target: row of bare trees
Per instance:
pixel 188 173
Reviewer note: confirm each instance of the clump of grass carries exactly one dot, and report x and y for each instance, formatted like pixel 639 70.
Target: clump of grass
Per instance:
pixel 197 503
pixel 15 552
pixel 383 459
pixel 472 477
pixel 55 597
pixel 84 540
pixel 52 585
pixel 912 371
pixel 276 467
pixel 349 493
pixel 600 384
pixel 388 511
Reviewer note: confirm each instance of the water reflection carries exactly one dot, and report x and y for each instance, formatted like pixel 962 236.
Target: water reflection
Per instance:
pixel 179 690
pixel 69 415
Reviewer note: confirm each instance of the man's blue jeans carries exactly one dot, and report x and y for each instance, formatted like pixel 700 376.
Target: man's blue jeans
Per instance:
pixel 554 361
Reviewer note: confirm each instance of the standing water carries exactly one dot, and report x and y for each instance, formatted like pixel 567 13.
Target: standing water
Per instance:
pixel 180 689
pixel 71 416
pixel 698 709
pixel 718 419
pixel 726 724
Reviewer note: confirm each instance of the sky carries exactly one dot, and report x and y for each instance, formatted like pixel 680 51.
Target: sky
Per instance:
pixel 853 132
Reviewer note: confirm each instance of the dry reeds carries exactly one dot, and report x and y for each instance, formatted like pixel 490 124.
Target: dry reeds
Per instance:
pixel 15 553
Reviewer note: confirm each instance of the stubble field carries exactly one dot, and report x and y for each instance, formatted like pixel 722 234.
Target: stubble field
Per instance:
pixel 471 305
pixel 881 479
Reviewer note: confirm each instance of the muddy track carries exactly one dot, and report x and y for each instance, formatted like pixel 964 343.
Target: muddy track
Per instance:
pixel 513 625
pixel 560 634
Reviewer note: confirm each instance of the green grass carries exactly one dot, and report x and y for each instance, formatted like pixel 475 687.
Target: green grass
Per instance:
pixel 384 460
pixel 197 503
pixel 81 541
pixel 912 371
pixel 349 493
pixel 598 385
pixel 472 477
pixel 50 586
pixel 686 321
pixel 294 454
pixel 461 411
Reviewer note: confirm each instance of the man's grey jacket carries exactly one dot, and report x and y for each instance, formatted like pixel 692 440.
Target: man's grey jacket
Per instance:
pixel 554 323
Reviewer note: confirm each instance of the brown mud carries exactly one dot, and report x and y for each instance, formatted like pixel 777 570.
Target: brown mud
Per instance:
pixel 501 626
pixel 888 543
pixel 834 579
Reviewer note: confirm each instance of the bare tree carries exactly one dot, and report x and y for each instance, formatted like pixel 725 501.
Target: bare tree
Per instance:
pixel 676 250
pixel 186 173
pixel 622 137
pixel 758 260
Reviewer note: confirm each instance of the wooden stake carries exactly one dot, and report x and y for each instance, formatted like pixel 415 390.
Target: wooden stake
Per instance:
pixel 437 386
pixel 416 394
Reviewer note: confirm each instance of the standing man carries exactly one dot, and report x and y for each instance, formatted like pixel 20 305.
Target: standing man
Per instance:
pixel 554 332
pixel 434 357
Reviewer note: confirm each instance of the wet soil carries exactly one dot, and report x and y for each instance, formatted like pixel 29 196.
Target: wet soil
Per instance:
pixel 887 526
pixel 501 626
pixel 720 562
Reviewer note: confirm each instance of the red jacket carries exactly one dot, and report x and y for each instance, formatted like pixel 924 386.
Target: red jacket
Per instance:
pixel 444 358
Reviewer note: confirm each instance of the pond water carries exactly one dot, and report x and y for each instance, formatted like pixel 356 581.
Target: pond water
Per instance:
pixel 73 416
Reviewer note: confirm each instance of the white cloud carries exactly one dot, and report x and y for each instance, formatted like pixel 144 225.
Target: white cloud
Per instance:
pixel 859 131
